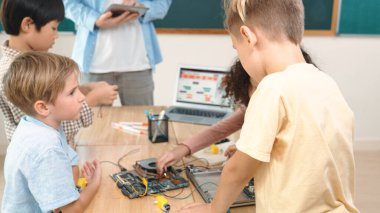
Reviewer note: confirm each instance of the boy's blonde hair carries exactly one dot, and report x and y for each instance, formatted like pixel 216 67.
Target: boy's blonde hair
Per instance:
pixel 34 76
pixel 277 18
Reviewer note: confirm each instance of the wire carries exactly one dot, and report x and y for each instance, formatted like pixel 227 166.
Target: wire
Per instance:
pixel 122 157
pixel 145 182
pixel 122 168
pixel 110 162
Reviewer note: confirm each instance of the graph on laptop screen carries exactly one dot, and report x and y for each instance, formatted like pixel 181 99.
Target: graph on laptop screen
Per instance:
pixel 201 87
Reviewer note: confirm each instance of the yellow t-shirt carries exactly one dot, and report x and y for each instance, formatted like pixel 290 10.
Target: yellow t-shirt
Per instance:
pixel 301 128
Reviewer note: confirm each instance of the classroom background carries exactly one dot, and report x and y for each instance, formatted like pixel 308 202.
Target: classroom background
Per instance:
pixel 352 60
pixel 348 50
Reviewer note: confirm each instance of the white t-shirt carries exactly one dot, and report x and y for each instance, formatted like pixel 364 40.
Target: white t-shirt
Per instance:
pixel 120 49
pixel 301 128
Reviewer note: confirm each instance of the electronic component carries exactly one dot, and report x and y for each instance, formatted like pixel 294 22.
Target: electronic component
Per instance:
pixel 81 184
pixel 207 180
pixel 162 203
pixel 145 181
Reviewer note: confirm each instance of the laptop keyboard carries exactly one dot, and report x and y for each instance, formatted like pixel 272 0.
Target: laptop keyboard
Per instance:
pixel 197 112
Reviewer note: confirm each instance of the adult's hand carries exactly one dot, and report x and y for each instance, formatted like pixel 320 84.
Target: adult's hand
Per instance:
pixel 107 21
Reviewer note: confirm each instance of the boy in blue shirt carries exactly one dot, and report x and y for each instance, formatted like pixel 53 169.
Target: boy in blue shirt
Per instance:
pixel 37 169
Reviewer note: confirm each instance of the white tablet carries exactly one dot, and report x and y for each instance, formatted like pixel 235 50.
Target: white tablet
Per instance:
pixel 118 9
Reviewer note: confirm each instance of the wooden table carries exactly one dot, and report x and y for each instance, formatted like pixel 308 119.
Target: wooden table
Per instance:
pixel 104 143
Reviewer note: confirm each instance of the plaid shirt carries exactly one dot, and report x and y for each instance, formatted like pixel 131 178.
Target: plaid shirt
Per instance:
pixel 13 114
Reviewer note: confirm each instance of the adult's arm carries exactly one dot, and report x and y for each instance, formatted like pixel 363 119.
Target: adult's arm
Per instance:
pixel 81 14
pixel 202 139
pixel 157 9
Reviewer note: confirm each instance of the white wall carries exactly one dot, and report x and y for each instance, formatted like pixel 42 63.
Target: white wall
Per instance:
pixel 351 61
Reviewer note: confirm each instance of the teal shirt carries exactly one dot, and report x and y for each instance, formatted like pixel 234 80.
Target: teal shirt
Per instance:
pixel 85 12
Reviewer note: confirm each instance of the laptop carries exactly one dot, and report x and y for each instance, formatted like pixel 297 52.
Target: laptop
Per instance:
pixel 199 96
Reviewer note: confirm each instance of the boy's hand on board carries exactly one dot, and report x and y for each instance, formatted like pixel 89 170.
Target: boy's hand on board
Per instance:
pixel 107 21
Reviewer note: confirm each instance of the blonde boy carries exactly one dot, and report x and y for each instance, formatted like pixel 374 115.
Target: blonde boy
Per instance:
pixel 38 175
pixel 296 140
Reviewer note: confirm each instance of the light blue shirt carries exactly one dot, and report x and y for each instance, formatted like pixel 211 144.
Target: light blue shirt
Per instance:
pixel 37 169
pixel 85 13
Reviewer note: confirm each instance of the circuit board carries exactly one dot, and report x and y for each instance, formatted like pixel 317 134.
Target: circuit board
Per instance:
pixel 132 185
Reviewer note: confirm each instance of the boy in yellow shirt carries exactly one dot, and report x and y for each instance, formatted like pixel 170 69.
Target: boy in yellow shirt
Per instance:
pixel 296 140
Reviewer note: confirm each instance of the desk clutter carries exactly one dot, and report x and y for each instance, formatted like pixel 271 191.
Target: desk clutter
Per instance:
pixel 144 180
pixel 157 127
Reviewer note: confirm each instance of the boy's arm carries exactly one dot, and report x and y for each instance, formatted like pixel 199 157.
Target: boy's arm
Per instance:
pixel 92 172
pixel 157 9
pixel 84 200
pixel 236 174
pixel 81 14
pixel 75 169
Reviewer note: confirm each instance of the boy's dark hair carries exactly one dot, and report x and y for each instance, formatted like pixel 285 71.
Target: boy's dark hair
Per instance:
pixel 238 85
pixel 40 11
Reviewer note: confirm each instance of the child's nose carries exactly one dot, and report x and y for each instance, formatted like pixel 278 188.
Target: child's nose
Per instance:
pixel 81 97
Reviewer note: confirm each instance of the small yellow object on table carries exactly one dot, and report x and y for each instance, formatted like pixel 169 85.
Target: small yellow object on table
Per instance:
pixel 81 184
pixel 214 149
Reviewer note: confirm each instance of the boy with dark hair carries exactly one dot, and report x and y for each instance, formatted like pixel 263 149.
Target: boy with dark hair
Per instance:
pixel 37 168
pixel 296 139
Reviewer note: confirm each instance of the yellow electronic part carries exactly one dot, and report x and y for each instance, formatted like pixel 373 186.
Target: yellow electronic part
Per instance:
pixel 82 183
pixel 162 203
pixel 214 149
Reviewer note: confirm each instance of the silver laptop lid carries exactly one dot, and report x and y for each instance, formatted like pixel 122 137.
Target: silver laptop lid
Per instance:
pixel 201 87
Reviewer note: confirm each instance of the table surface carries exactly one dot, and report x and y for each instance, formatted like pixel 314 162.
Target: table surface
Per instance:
pixel 107 144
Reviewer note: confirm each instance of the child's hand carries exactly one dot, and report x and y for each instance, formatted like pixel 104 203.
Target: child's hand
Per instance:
pixel 230 151
pixel 101 94
pixel 92 172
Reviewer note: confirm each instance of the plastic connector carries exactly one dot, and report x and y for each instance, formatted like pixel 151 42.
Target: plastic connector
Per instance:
pixel 214 149
pixel 162 203
pixel 81 183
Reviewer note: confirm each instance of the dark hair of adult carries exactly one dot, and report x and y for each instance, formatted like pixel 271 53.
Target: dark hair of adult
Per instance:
pixel 238 84
pixel 40 11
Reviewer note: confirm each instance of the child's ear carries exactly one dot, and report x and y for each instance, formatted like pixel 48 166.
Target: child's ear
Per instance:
pixel 248 35
pixel 41 108
pixel 26 24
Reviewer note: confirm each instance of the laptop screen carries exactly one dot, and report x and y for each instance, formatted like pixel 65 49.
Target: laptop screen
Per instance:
pixel 201 86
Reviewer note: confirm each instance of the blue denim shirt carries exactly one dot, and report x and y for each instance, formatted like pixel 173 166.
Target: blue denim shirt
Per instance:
pixel 37 169
pixel 85 12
